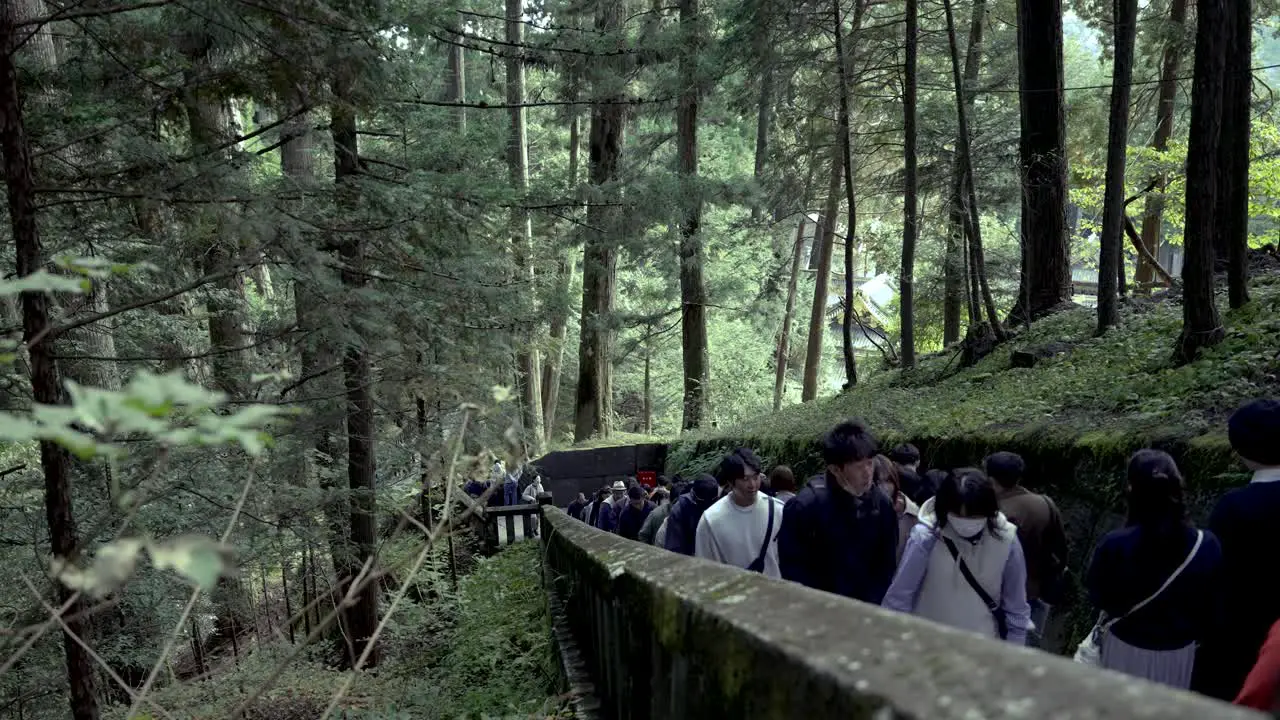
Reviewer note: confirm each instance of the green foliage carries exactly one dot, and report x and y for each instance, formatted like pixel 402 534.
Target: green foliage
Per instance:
pixel 1107 394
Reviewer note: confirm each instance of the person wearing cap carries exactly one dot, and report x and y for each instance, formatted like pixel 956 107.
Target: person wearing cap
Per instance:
pixel 1245 521
pixel 741 528
pixel 841 535
pixel 633 514
pixel 680 529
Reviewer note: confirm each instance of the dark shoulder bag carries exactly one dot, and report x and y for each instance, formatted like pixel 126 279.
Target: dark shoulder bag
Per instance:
pixel 757 565
pixel 997 612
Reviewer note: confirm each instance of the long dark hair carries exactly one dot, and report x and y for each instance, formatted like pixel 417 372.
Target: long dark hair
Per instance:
pixel 1155 493
pixel 970 490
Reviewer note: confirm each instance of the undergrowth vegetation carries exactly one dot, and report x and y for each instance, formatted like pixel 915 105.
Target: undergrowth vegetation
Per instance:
pixel 481 652
pixel 1123 381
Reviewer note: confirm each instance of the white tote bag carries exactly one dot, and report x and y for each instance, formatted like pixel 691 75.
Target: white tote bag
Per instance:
pixel 1089 652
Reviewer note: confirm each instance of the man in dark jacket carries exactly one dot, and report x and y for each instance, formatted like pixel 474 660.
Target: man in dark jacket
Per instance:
pixel 682 523
pixel 1040 531
pixel 841 535
pixel 1245 521
pixel 575 508
pixel 632 516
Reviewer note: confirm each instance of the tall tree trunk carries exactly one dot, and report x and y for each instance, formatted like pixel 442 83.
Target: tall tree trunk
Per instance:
pixel 318 358
pixel 974 232
pixel 528 359
pixel 955 276
pixel 648 391
pixel 46 386
pixel 1236 128
pixel 362 618
pixel 824 246
pixel 565 270
pixel 1046 272
pixel 906 281
pixel 1201 325
pixel 784 337
pixel 1153 216
pixel 764 116
pixel 456 80
pixel 209 123
pixel 846 158
pixel 1126 28
pixel 594 412
pixel 693 291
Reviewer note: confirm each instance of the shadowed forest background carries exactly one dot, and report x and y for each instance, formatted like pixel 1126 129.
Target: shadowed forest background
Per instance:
pixel 282 273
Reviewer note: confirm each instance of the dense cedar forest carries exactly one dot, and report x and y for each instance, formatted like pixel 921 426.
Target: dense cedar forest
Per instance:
pixel 282 273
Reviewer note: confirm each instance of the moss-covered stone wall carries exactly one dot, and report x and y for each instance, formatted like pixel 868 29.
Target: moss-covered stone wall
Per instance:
pixel 669 636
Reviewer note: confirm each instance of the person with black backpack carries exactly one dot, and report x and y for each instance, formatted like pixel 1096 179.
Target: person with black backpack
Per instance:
pixel 741 528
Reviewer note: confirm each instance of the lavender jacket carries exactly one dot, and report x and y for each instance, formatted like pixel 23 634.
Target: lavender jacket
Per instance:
pixel 905 588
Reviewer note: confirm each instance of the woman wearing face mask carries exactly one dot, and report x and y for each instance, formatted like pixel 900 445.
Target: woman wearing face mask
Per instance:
pixel 963 565
pixel 889 481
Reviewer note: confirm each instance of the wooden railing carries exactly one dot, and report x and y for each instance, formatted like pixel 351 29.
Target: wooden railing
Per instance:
pixel 506 524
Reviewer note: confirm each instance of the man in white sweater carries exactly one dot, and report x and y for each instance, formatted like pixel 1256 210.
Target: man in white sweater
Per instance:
pixel 741 528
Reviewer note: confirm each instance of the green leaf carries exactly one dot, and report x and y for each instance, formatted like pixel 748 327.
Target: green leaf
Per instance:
pixel 200 559
pixel 44 281
pixel 112 565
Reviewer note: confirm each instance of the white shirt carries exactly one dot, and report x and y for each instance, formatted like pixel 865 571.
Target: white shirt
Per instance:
pixel 531 492
pixel 733 535
pixel 1266 475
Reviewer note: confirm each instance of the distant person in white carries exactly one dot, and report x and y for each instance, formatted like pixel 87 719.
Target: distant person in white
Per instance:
pixel 735 530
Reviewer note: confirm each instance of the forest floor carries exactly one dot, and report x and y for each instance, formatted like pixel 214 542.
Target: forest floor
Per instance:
pixel 1123 381
pixel 482 651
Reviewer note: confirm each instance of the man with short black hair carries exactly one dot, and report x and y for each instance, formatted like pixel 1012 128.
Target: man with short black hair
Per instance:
pixel 1041 533
pixel 1245 521
pixel 631 516
pixel 841 535
pixel 741 528
pixel 907 458
pixel 577 506
pixel 680 529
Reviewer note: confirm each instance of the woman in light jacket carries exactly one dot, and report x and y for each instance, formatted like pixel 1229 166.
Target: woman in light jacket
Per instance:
pixel 889 480
pixel 930 583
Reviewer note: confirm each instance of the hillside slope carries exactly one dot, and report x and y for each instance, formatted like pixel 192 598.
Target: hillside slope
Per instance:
pixel 1102 396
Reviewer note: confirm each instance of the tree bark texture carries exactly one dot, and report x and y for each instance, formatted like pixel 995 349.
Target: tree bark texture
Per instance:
pixel 1236 128
pixel 528 358
pixel 824 246
pixel 1126 29
pixel 456 80
pixel 1170 65
pixel 594 410
pixel 1201 325
pixel 566 268
pixel 963 150
pixel 784 337
pixel 46 386
pixel 846 158
pixel 906 279
pixel 693 291
pixel 955 260
pixel 1047 260
pixel 362 618
pixel 764 118
pixel 209 123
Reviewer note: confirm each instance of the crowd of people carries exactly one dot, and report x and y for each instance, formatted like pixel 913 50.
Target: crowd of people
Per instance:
pixel 974 549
